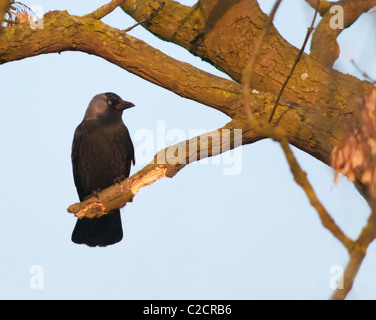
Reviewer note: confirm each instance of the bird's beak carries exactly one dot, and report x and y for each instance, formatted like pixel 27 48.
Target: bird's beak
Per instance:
pixel 125 105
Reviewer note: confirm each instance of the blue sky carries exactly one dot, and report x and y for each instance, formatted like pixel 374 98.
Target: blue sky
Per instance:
pixel 200 235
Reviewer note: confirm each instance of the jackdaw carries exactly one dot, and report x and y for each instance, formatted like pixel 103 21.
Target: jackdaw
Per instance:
pixel 102 154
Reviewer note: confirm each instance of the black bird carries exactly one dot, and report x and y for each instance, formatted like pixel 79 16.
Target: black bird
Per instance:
pixel 102 154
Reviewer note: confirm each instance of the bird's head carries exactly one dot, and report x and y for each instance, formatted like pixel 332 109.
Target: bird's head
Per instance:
pixel 106 105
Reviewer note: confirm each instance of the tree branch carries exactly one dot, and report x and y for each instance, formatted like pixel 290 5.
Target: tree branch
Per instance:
pixel 63 32
pixel 166 163
pixel 357 255
pixel 324 45
pixel 313 130
pixel 363 73
pixel 104 10
pixel 118 195
pixel 300 178
pixel 265 129
pixel 225 35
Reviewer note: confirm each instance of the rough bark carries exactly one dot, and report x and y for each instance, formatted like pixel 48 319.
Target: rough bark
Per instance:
pixel 225 35
pixel 317 113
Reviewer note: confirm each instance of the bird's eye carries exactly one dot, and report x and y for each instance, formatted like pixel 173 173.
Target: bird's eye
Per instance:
pixel 109 102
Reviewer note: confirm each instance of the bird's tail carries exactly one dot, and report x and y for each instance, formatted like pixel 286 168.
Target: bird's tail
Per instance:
pixel 101 231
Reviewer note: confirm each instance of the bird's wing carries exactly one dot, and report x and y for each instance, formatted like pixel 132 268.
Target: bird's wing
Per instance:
pixel 75 153
pixel 132 157
pixel 129 148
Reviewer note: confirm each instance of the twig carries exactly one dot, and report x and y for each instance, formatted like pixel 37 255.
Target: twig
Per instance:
pixel 153 14
pixel 297 59
pixel 136 24
pixel 301 179
pixel 356 249
pixel 364 74
pixel 324 5
pixel 248 70
pixel 266 129
pixel 104 10
pixel 357 255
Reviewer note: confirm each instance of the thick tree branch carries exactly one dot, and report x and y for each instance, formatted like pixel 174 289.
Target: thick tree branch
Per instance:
pixel 313 130
pixel 166 163
pixel 225 35
pixel 63 32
